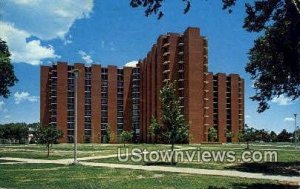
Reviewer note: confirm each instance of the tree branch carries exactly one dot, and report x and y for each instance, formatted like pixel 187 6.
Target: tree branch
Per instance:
pixel 295 3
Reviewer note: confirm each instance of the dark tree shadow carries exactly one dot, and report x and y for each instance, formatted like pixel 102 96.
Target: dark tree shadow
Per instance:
pixel 271 168
pixel 161 163
pixel 259 186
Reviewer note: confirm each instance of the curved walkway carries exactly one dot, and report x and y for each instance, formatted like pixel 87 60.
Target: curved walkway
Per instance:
pixel 226 173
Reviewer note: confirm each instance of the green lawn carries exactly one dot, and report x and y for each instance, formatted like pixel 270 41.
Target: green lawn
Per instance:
pixel 58 176
pixel 62 151
pixel 288 158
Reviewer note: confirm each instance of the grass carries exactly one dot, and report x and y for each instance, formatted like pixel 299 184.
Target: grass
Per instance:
pixel 50 176
pixel 63 151
pixel 288 159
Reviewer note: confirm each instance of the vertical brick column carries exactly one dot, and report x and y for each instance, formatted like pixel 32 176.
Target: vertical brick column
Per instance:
pixel 144 101
pixel 242 104
pixel 193 84
pixel 81 102
pixel 44 95
pixel 112 100
pixel 158 77
pixel 234 78
pixel 127 100
pixel 221 107
pixel 96 103
pixel 208 104
pixel 153 81
pixel 148 99
pixel 173 57
pixel 62 92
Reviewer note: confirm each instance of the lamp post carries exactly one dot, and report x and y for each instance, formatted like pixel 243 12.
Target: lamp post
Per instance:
pixel 76 76
pixel 295 130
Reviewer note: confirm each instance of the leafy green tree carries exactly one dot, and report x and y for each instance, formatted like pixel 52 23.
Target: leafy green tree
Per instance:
pixel 284 136
pixel 174 124
pixel 7 75
pixel 274 60
pixel 48 135
pixel 109 135
pixel 212 134
pixel 273 136
pixel 228 134
pixel 154 129
pixel 126 136
pixel 14 131
pixel 247 135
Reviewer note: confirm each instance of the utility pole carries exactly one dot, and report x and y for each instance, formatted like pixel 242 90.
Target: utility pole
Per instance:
pixel 295 135
pixel 76 76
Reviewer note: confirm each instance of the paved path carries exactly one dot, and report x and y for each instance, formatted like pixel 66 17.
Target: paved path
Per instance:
pixel 229 173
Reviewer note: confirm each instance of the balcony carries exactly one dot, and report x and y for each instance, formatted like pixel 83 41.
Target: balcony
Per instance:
pixel 180 80
pixel 166 71
pixel 181 89
pixel 166 44
pixel 166 62
pixel 206 82
pixel 166 80
pixel 180 44
pixel 181 70
pixel 180 62
pixel 180 53
pixel 166 53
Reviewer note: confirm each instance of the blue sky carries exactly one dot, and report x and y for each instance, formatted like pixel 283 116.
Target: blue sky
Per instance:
pixel 111 32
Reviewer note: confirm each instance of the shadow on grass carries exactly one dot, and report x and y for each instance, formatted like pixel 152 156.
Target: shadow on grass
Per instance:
pixel 271 168
pixel 260 186
pixel 159 163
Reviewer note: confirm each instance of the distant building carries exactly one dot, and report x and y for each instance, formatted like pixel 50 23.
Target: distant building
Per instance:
pixel 126 98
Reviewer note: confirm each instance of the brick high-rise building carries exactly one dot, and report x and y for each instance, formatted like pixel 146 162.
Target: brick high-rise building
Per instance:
pixel 126 98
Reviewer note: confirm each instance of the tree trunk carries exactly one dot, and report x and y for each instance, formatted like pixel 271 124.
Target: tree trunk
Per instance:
pixel 48 148
pixel 172 151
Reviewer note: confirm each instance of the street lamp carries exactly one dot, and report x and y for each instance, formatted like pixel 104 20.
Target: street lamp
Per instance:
pixel 295 130
pixel 76 76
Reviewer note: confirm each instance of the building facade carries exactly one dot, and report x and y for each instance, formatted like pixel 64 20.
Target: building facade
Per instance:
pixel 117 99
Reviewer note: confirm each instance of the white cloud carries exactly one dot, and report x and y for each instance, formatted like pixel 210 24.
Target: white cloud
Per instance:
pixel 28 22
pixel 131 63
pixel 247 116
pixel 282 100
pixel 87 58
pixel 46 20
pixel 2 103
pixel 31 52
pixel 24 96
pixel 289 119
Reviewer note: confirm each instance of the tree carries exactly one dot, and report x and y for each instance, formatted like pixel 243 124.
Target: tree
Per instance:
pixel 273 136
pixel 228 134
pixel 212 134
pixel 154 129
pixel 174 124
pixel 126 136
pixel 284 136
pixel 48 135
pixel 109 135
pixel 14 131
pixel 274 60
pixel 7 75
pixel 247 135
